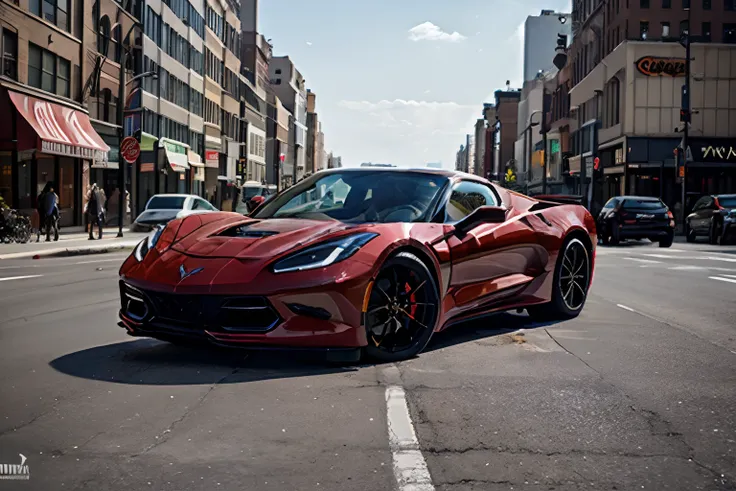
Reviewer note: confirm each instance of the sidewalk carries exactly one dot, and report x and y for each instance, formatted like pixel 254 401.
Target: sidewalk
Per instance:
pixel 72 241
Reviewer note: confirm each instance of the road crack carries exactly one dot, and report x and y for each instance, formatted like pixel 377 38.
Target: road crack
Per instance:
pixel 163 437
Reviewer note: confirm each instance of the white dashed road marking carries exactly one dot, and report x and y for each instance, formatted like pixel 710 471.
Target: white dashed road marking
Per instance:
pixel 647 261
pixel 410 468
pixel 10 278
pixel 729 280
pixel 625 307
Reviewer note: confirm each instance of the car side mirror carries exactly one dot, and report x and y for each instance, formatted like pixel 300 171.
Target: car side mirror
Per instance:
pixel 479 216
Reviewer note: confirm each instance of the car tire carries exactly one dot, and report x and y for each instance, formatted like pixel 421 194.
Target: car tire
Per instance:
pixel 690 234
pixel 667 241
pixel 615 234
pixel 713 232
pixel 408 280
pixel 562 306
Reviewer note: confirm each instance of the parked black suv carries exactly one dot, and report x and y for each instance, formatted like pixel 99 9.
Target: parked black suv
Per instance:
pixel 636 217
pixel 714 217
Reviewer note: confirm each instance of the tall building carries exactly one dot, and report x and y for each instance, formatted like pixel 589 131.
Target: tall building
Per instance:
pixel 277 145
pixel 505 130
pixel 320 151
pixel 627 74
pixel 255 55
pixel 313 163
pixel 480 147
pixel 333 161
pixel 47 133
pixel 540 35
pixel 289 86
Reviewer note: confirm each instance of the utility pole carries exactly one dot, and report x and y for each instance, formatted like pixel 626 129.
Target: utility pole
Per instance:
pixel 685 116
pixel 545 160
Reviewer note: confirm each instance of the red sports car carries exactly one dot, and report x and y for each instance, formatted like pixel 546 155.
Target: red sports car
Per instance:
pixel 360 261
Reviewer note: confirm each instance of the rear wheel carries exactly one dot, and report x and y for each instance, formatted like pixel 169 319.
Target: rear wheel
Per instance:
pixel 615 234
pixel 570 286
pixel 667 241
pixel 403 309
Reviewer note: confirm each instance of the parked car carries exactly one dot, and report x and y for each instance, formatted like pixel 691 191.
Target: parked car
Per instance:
pixel 636 217
pixel 252 194
pixel 713 216
pixel 162 208
pixel 400 255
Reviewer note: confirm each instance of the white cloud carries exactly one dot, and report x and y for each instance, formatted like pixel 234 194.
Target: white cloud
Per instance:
pixel 431 32
pixel 309 43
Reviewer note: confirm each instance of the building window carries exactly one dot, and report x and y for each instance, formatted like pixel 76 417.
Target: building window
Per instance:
pixel 644 4
pixel 665 29
pixel 643 29
pixel 706 5
pixel 43 67
pixel 729 5
pixel 10 54
pixel 666 4
pixel 684 27
pixel 152 27
pixel 685 4
pixel 706 32
pixel 729 33
pixel 103 35
pixel 54 11
pixel 117 33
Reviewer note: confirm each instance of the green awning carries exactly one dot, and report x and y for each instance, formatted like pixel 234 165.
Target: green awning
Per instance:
pixel 148 142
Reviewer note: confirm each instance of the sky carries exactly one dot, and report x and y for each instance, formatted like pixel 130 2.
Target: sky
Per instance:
pixel 401 81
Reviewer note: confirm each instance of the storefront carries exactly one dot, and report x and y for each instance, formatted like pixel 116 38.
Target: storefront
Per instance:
pixel 146 175
pixel 46 142
pixel 196 173
pixel 174 166
pixel 104 173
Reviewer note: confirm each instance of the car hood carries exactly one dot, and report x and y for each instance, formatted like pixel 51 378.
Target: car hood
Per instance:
pixel 246 238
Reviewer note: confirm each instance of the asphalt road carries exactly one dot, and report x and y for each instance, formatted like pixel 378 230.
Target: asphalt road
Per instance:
pixel 639 392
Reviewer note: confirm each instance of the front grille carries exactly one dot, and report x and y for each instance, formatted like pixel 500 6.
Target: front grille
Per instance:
pixel 216 313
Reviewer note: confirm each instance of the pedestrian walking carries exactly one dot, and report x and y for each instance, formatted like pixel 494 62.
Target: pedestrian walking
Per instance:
pixel 47 205
pixel 96 200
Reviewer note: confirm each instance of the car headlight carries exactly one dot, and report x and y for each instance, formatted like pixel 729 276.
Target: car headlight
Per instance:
pixel 324 254
pixel 147 244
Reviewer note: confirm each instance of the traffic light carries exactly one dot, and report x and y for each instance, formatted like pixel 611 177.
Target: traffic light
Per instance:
pixel 561 41
pixel 684 115
pixel 560 59
pixel 596 163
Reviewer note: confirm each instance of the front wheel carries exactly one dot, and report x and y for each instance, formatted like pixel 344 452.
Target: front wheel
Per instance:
pixel 713 232
pixel 570 287
pixel 403 309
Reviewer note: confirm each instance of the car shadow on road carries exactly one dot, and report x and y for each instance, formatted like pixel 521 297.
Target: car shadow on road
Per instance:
pixel 151 362
pixel 489 326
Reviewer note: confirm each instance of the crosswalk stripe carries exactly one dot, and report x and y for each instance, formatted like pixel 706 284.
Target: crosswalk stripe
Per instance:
pixel 647 261
pixel 10 278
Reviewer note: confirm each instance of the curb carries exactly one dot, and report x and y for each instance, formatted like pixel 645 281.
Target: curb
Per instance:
pixel 71 251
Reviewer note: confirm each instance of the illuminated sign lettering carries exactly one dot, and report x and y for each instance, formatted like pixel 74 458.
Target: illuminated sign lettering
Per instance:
pixel 721 153
pixel 654 66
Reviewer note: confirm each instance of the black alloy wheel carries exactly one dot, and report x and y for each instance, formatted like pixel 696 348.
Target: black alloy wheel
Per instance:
pixel 713 232
pixel 570 287
pixel 403 309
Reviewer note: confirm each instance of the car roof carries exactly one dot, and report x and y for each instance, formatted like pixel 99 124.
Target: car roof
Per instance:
pixel 174 195
pixel 725 195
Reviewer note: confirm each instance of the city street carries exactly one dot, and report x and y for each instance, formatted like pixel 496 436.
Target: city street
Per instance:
pixel 639 392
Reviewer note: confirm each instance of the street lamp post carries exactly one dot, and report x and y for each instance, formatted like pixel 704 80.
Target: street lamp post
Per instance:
pixel 685 116
pixel 121 121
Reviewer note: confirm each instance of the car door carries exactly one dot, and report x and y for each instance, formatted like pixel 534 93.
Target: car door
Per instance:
pixel 693 219
pixel 492 259
pixel 702 214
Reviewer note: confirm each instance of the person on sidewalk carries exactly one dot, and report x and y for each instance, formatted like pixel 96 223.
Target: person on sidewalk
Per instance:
pixel 95 210
pixel 48 212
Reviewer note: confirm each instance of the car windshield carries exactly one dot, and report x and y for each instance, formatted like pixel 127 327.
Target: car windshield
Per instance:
pixel 250 192
pixel 359 197
pixel 727 201
pixel 166 203
pixel 643 204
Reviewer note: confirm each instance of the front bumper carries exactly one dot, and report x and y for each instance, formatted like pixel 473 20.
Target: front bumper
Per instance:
pixel 327 320
pixel 645 231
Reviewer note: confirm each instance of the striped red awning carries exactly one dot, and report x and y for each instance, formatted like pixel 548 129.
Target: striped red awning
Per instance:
pixel 60 129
